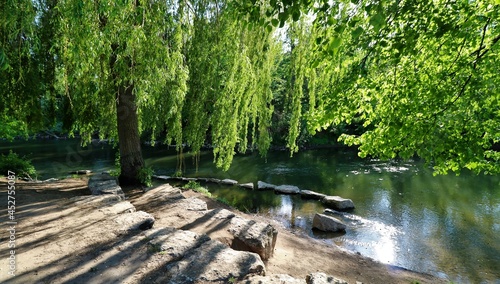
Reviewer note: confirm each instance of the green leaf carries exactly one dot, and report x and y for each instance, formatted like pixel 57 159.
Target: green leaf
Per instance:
pixel 377 21
pixel 275 22
pixel 357 32
pixel 335 44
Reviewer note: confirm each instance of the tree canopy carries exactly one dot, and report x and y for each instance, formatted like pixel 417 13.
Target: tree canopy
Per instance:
pixel 420 78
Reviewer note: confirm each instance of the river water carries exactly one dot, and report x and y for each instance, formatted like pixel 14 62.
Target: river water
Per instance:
pixel 447 226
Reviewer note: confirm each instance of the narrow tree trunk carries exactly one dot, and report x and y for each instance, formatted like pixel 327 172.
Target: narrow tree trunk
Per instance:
pixel 131 160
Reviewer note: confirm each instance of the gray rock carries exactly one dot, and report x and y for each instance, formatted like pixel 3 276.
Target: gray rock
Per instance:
pixel 214 180
pixel 139 220
pixel 309 194
pixel 193 204
pixel 287 189
pixel 213 261
pixel 338 203
pixel 81 172
pixel 274 278
pixel 96 201
pixel 105 184
pixel 163 193
pixel 118 208
pixel 174 244
pixel 257 237
pixel 161 177
pixel 327 223
pixel 322 278
pixel 247 185
pixel 263 185
pixel 229 181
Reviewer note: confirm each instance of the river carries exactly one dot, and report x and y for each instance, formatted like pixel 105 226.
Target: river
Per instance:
pixel 405 216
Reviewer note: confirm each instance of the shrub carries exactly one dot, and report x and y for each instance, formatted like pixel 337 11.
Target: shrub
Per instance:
pixel 197 187
pixel 145 174
pixel 21 166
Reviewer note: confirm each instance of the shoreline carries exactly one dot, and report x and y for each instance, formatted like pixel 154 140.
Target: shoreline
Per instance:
pixel 50 231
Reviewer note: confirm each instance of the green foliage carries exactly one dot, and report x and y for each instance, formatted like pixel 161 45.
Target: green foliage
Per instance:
pixel 223 201
pixel 230 83
pixel 20 165
pixel 418 77
pixel 195 186
pixel 145 176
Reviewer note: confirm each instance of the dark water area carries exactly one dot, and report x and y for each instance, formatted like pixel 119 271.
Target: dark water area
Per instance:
pixel 447 226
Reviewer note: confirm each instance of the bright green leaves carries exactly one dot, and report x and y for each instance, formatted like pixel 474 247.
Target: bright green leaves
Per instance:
pixel 334 45
pixel 418 77
pixel 377 21
pixel 229 86
pixel 356 33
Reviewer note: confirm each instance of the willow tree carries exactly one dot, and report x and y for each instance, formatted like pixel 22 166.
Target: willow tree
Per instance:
pixel 229 97
pixel 123 67
pixel 26 67
pixel 420 76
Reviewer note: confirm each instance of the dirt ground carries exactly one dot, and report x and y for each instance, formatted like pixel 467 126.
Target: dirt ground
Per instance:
pixel 56 242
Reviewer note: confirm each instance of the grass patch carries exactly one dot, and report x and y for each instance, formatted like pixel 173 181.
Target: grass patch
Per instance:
pixel 195 186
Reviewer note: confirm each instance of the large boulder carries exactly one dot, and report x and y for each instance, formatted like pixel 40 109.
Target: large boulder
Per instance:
pixel 338 203
pixel 264 185
pixel 139 220
pixel 213 261
pixel 327 223
pixel 118 208
pixel 322 278
pixel 173 244
pixel 257 237
pixel 105 184
pixel 309 194
pixel 287 189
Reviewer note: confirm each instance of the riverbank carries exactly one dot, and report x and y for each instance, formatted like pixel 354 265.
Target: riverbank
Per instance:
pixel 56 239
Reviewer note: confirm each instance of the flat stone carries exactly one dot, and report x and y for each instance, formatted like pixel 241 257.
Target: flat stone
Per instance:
pixel 257 237
pixel 161 177
pixel 327 223
pixel 139 220
pixel 214 180
pixel 118 208
pixel 246 185
pixel 193 204
pixel 274 278
pixel 96 200
pixel 338 203
pixel 287 189
pixel 214 262
pixel 264 185
pixel 229 181
pixel 309 194
pixel 322 278
pixel 81 172
pixel 174 244
pixel 162 193
pixel 104 184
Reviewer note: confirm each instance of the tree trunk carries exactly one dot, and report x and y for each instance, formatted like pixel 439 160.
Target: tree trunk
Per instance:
pixel 131 160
